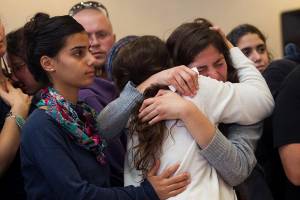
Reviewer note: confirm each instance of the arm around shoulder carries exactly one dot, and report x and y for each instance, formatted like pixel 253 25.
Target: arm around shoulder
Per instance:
pixel 113 118
pixel 233 157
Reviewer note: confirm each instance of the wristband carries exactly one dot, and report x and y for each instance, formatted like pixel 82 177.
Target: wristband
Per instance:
pixel 20 121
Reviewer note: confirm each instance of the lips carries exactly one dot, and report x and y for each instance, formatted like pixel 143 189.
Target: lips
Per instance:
pixel 99 54
pixel 90 73
pixel 260 67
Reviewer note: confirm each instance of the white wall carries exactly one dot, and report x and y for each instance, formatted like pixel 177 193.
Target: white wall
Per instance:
pixel 160 17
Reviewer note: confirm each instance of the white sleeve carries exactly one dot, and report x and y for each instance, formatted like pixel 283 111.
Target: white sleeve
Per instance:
pixel 245 103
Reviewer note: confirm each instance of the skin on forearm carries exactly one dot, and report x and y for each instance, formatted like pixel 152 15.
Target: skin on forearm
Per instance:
pixel 10 136
pixel 147 83
pixel 290 159
pixel 196 122
pixel 9 143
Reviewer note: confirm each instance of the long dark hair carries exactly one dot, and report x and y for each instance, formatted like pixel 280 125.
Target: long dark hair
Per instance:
pixel 136 62
pixel 150 137
pixel 189 39
pixel 46 36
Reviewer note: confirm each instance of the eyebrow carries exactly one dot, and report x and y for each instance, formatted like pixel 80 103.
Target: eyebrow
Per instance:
pixel 221 58
pixel 79 47
pixel 246 49
pixel 260 45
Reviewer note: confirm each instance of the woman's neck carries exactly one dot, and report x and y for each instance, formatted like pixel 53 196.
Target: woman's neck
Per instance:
pixel 69 93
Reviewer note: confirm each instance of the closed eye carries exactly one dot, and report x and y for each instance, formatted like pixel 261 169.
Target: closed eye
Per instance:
pixel 220 62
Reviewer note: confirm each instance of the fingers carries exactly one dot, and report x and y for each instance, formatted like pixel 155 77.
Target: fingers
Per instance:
pixel 146 103
pixel 221 32
pixel 155 119
pixel 154 169
pixel 177 191
pixel 185 80
pixel 161 92
pixel 169 171
pixel 9 86
pixel 178 185
pixel 184 177
pixel 192 79
pixel 146 110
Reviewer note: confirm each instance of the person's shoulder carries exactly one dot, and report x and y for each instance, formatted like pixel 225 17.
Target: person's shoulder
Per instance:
pixel 38 119
pixel 293 79
pixel 281 65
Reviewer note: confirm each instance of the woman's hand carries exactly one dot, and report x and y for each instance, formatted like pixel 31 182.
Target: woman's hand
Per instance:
pixel 169 105
pixel 15 98
pixel 165 105
pixel 181 77
pixel 166 185
pixel 219 30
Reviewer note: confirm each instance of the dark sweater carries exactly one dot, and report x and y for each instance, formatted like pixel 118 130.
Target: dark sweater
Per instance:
pixel 54 167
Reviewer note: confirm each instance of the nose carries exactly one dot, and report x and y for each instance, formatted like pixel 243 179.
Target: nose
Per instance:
pixel 255 57
pixel 91 60
pixel 213 73
pixel 93 40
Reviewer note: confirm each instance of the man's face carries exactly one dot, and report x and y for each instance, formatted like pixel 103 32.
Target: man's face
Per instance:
pixel 100 33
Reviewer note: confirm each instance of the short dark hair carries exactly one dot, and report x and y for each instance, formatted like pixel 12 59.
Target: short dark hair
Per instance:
pixel 46 36
pixel 189 39
pixel 140 59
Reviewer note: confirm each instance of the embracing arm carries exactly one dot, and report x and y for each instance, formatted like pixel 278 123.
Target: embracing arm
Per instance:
pixel 246 102
pixel 114 116
pixel 233 157
pixel 10 132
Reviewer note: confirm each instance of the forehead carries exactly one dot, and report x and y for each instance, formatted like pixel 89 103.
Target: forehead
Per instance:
pixel 77 39
pixel 209 52
pixel 93 20
pixel 249 40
